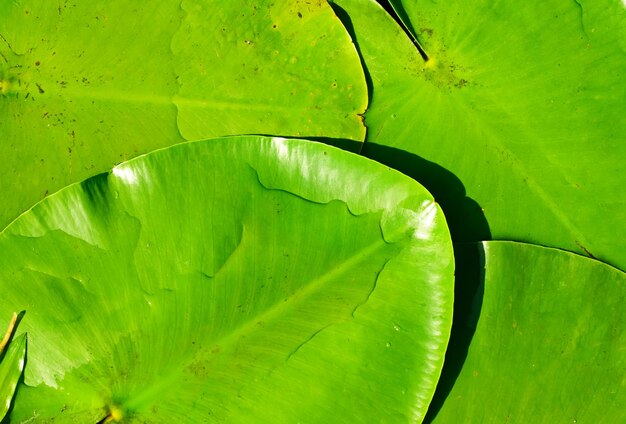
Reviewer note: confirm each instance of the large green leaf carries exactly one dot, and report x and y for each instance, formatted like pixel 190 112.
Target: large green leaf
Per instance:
pixel 549 345
pixel 523 101
pixel 11 367
pixel 85 85
pixel 241 280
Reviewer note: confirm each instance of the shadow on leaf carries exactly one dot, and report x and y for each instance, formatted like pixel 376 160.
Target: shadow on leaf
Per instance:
pixel 468 225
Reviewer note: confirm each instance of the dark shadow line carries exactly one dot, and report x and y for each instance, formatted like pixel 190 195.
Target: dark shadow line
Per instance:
pixel 469 288
pixel 347 23
pixel 398 13
pixel 468 225
pixel 464 216
pixel 345 19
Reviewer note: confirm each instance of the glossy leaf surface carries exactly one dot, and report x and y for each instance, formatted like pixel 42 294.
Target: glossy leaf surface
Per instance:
pixel 523 102
pixel 242 280
pixel 549 342
pixel 11 367
pixel 86 85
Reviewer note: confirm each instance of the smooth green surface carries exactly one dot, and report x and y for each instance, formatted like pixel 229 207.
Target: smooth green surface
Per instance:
pixel 522 101
pixel 549 345
pixel 86 85
pixel 242 280
pixel 11 367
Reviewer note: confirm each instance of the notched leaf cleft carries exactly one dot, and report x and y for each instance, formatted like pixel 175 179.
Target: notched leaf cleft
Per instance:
pixel 115 415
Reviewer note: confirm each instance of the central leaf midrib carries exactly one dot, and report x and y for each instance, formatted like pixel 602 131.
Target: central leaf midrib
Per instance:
pixel 149 98
pixel 151 394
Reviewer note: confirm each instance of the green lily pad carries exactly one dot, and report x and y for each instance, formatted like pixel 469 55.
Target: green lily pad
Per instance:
pixel 241 279
pixel 85 85
pixel 523 102
pixel 11 367
pixel 548 345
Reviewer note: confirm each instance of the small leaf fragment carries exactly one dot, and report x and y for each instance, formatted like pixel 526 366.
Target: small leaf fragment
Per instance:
pixel 11 369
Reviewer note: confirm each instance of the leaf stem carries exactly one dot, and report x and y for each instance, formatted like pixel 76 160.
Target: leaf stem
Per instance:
pixel 9 333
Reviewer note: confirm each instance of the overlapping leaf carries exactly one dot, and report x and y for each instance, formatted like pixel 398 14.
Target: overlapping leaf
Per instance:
pixel 86 85
pixel 549 342
pixel 242 280
pixel 523 102
pixel 11 367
